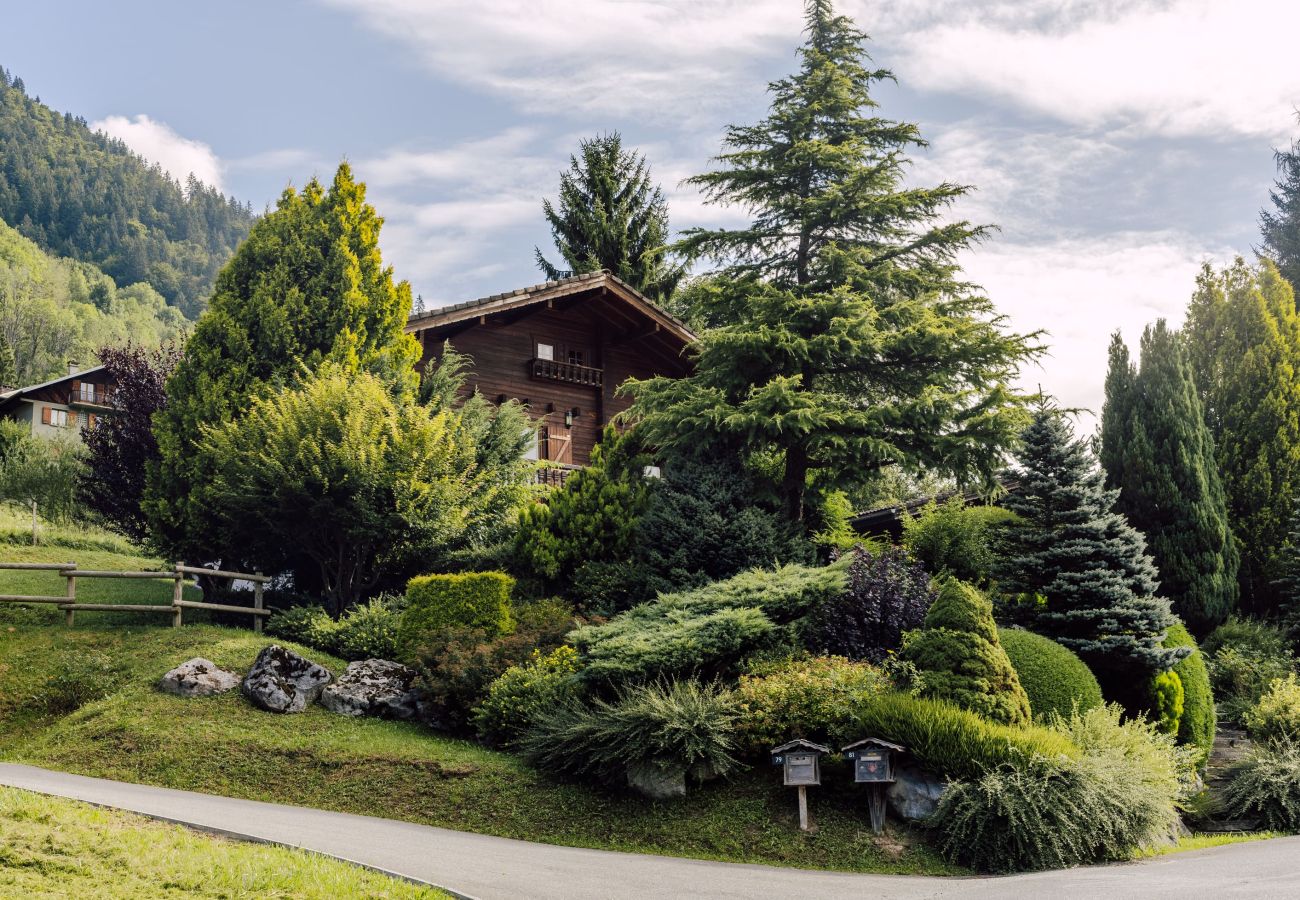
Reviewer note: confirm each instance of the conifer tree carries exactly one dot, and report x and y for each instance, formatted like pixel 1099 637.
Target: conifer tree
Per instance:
pixel 308 286
pixel 1081 565
pixel 1243 341
pixel 1155 448
pixel 850 341
pixel 610 215
pixel 8 363
pixel 1281 226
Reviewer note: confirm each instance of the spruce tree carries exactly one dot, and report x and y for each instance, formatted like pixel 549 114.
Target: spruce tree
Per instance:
pixel 1155 448
pixel 1082 568
pixel 850 341
pixel 1281 226
pixel 1243 341
pixel 610 215
pixel 308 286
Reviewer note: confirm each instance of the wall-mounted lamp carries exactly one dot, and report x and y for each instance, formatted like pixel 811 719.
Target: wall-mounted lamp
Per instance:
pixel 568 418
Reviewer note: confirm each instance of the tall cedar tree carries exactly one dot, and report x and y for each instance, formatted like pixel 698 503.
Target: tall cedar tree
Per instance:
pixel 610 215
pixel 1281 225
pixel 308 286
pixel 121 446
pixel 1087 564
pixel 1288 569
pixel 851 343
pixel 1243 341
pixel 1156 450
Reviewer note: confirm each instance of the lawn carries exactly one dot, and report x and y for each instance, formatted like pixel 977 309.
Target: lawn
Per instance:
pixel 50 847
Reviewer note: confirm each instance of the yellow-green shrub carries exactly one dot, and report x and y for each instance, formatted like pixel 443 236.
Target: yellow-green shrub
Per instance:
pixel 522 692
pixel 472 600
pixel 1277 714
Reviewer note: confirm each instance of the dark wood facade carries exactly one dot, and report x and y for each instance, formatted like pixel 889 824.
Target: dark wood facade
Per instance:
pixel 562 348
pixel 61 406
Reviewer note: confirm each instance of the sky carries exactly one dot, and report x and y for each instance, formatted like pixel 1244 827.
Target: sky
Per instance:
pixel 1117 144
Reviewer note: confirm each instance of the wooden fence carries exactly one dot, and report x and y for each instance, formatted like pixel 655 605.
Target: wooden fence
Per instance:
pixel 177 575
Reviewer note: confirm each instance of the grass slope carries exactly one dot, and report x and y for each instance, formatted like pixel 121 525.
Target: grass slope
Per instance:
pixel 50 847
pixel 223 745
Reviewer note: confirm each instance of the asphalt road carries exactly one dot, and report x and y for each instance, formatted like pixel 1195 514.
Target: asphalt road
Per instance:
pixel 480 866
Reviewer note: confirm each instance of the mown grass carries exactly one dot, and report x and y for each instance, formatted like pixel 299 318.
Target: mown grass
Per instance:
pixel 51 847
pixel 222 745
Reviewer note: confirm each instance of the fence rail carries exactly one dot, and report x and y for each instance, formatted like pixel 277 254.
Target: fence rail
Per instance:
pixel 177 575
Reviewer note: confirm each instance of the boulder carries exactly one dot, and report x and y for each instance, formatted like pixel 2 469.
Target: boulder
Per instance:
pixel 282 681
pixel 657 782
pixel 373 687
pixel 198 677
pixel 915 793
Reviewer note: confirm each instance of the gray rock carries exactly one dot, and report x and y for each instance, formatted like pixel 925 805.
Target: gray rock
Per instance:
pixel 198 677
pixel 656 782
pixel 373 687
pixel 915 794
pixel 282 681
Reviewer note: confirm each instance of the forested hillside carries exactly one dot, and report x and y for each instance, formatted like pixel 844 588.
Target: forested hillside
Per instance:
pixel 53 310
pixel 84 195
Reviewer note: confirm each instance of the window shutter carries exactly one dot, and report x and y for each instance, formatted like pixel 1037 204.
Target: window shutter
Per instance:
pixel 45 415
pixel 91 421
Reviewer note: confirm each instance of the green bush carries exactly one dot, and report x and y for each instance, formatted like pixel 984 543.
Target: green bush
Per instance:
pixel 1196 729
pixel 955 539
pixel 668 727
pixel 960 660
pixel 458 665
pixel 1054 678
pixel 78 679
pixel 522 693
pixel 310 625
pixel 706 631
pixel 1248 636
pixel 1277 714
pixel 1266 786
pixel 950 741
pixel 810 698
pixel 470 600
pixel 369 630
pixel 1167 701
pixel 1241 675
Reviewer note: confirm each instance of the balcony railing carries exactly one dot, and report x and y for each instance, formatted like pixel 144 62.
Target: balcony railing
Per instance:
pixel 569 373
pixel 555 474
pixel 91 396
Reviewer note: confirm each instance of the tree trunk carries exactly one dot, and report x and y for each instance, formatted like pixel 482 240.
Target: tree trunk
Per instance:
pixel 794 483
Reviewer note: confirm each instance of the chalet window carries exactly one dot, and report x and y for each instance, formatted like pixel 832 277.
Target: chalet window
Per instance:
pixel 82 419
pixel 577 357
pixel 544 442
pixel 86 392
pixel 55 417
pixel 545 351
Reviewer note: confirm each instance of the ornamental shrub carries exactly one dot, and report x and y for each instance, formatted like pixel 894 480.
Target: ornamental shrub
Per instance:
pixel 523 692
pixel 1054 678
pixel 308 625
pixel 1248 636
pixel 956 540
pixel 1277 714
pixel 960 659
pixel 1167 701
pixel 478 600
pixel 1196 729
pixel 706 631
pixel 1266 786
pixel 886 594
pixel 672 727
pixel 369 630
pixel 811 698
pixel 1240 674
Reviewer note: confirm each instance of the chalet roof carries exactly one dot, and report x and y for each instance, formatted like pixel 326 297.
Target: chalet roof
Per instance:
pixel 889 519
pixel 13 396
pixel 552 290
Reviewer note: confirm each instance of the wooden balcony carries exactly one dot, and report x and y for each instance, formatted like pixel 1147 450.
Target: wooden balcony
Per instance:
pixel 568 373
pixel 555 474
pixel 88 395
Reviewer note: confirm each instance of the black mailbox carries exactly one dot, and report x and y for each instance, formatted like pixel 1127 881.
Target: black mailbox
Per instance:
pixel 800 761
pixel 873 759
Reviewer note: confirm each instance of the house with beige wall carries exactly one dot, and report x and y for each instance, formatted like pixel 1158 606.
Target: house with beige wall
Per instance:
pixel 62 406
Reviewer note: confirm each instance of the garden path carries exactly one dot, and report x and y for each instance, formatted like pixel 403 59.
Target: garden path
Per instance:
pixel 481 866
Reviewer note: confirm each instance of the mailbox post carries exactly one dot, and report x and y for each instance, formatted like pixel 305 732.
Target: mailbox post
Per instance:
pixel 800 763
pixel 873 765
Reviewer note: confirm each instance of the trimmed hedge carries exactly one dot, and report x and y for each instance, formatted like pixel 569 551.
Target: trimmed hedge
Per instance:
pixel 1052 675
pixel 472 600
pixel 1198 723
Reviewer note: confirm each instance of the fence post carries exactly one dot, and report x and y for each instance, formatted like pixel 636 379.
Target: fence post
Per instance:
pixel 178 584
pixel 34 541
pixel 257 603
pixel 68 614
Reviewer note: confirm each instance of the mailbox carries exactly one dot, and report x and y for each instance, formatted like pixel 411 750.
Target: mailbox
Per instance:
pixel 800 761
pixel 873 759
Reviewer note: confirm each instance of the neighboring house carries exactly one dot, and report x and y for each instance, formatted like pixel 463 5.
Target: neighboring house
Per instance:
pixel 61 406
pixel 562 349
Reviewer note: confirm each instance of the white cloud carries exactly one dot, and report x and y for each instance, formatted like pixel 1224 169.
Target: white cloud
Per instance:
pixel 158 143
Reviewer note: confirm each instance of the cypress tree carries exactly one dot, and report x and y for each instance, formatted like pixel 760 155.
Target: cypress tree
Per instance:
pixel 610 215
pixel 1243 342
pixel 1281 226
pixel 1084 568
pixel 1155 448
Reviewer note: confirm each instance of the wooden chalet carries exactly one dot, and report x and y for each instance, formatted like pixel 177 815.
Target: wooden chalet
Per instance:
pixel 63 405
pixel 561 348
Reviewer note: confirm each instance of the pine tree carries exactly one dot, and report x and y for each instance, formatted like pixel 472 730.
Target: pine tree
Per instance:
pixel 1086 565
pixel 851 342
pixel 1281 226
pixel 610 215
pixel 1155 448
pixel 308 286
pixel 1243 342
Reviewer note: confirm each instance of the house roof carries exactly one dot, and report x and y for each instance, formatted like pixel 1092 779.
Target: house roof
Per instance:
pixel 8 398
pixel 889 519
pixel 608 283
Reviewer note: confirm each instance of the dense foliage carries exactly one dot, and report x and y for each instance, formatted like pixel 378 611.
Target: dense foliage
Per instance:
pixel 1280 226
pixel 850 342
pixel 470 600
pixel 366 631
pixel 525 692
pixel 1243 339
pixel 39 471
pixel 1244 658
pixel 956 539
pixel 959 658
pixel 1197 726
pixel 1265 786
pixel 1157 451
pixel 886 594
pixel 84 195
pixel 1054 678
pixel 611 216
pixel 1276 716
